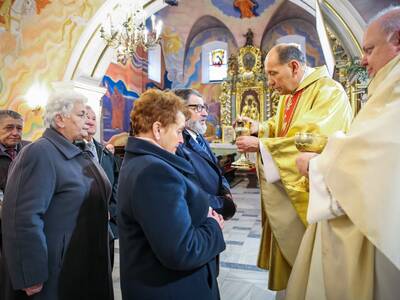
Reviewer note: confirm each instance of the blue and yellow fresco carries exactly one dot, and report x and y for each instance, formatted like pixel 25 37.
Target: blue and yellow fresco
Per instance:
pixel 117 105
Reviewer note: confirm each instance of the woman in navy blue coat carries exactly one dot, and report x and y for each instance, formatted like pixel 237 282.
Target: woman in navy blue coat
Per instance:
pixel 169 237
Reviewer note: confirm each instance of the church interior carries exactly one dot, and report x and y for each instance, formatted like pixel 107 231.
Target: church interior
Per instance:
pixel 44 43
pixel 113 51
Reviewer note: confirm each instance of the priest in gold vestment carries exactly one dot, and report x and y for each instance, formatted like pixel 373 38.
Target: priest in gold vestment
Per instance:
pixel 357 255
pixel 311 102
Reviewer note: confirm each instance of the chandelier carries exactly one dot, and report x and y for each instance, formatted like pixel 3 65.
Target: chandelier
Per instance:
pixel 127 30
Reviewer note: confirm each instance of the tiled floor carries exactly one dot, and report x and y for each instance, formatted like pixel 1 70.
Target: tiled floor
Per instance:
pixel 239 277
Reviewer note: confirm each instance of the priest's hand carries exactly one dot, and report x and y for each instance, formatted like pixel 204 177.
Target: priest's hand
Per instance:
pixel 303 161
pixel 33 289
pixel 253 124
pixel 247 144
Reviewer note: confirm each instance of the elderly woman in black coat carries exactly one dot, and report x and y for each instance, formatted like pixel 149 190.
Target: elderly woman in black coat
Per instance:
pixel 169 237
pixel 55 213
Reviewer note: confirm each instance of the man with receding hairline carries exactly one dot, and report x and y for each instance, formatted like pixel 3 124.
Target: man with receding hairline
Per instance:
pixel 311 102
pixel 357 255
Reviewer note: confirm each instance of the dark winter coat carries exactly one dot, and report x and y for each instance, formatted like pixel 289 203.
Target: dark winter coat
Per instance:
pixel 55 223
pixel 168 245
pixel 208 174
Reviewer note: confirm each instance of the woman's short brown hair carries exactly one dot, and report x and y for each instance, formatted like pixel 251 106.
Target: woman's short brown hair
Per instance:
pixel 155 106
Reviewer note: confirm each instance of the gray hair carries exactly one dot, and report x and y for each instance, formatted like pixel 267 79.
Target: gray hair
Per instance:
pixel 288 52
pixel 185 94
pixel 4 113
pixel 88 107
pixel 61 102
pixel 388 18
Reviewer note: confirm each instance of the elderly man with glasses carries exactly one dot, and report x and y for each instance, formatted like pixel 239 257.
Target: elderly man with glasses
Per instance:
pixel 196 150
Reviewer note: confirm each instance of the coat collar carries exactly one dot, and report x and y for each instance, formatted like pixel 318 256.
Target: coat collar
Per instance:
pixel 142 147
pixel 194 145
pixel 68 149
pixel 187 137
pixel 18 147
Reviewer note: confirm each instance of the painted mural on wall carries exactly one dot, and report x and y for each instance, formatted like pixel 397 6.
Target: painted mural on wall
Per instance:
pixel 211 94
pixel 117 104
pixel 297 27
pixel 242 8
pixel 192 64
pixel 207 21
pixel 181 22
pixel 36 40
pixel 124 84
pixel 193 72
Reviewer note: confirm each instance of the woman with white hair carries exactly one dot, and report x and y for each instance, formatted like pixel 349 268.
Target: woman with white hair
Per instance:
pixel 55 213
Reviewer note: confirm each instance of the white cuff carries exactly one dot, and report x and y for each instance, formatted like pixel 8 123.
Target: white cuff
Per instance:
pixel 321 205
pixel 271 171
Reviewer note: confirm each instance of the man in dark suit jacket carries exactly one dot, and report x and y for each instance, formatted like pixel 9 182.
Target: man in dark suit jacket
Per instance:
pixel 197 151
pixel 11 125
pixel 110 166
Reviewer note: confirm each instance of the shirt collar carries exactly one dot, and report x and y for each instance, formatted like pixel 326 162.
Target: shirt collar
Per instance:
pixel 4 148
pixel 192 134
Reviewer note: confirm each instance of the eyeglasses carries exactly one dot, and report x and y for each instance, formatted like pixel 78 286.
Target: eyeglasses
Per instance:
pixel 199 107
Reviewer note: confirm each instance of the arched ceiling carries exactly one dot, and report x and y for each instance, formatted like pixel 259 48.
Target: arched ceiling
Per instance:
pixel 288 10
pixel 91 56
pixel 202 24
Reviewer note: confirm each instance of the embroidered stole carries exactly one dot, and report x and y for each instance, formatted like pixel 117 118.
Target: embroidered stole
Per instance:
pixel 290 107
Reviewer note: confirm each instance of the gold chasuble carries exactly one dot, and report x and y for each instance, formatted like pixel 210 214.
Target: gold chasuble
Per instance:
pixel 357 256
pixel 319 105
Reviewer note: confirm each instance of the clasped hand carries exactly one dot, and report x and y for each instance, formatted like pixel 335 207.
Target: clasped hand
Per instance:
pixel 33 289
pixel 216 216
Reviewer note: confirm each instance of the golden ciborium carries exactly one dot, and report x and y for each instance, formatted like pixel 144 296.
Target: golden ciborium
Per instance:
pixel 310 142
pixel 243 163
pixel 307 142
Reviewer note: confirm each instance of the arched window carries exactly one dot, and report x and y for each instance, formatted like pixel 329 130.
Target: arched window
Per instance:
pixel 214 61
pixel 154 63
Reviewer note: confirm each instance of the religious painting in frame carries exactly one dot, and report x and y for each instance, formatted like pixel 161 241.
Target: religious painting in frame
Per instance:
pixel 250 101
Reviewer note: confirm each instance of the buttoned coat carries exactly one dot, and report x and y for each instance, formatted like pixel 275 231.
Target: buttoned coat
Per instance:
pixel 55 223
pixel 168 245
pixel 208 174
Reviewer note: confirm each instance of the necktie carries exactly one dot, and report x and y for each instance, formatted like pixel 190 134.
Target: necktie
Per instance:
pixel 202 144
pixel 12 152
pixel 92 149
